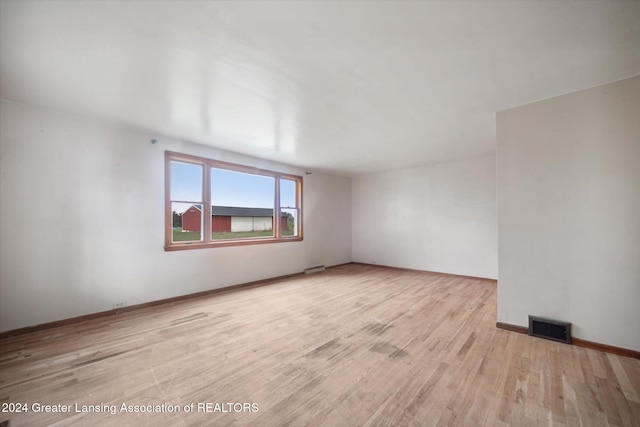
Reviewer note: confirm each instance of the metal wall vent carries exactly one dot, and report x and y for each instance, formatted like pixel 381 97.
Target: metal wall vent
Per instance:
pixel 316 269
pixel 550 329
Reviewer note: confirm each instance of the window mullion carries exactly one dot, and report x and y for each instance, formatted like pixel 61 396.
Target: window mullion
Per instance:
pixel 206 199
pixel 276 209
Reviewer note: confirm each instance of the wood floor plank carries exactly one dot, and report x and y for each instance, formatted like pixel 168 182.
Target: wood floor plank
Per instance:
pixel 353 346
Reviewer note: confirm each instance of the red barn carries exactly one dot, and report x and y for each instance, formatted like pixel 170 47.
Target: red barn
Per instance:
pixel 232 218
pixel 191 219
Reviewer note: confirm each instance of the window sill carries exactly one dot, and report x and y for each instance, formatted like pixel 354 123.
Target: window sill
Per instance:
pixel 226 243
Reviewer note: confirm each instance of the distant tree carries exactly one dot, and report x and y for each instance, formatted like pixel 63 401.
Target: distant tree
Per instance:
pixel 177 219
pixel 290 221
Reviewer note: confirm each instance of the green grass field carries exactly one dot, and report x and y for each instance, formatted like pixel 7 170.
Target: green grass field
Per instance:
pixel 226 235
pixel 179 236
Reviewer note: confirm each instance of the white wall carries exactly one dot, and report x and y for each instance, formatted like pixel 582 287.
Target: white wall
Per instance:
pixel 569 212
pixel 82 217
pixel 438 218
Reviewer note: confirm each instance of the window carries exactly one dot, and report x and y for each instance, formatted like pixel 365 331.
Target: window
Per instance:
pixel 236 204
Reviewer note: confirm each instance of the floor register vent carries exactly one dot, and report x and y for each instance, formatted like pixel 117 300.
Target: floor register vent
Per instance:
pixel 550 329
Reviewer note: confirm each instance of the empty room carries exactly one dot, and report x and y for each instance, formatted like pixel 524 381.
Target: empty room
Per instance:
pixel 319 213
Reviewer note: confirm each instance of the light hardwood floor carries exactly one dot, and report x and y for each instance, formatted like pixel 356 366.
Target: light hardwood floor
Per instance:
pixel 353 346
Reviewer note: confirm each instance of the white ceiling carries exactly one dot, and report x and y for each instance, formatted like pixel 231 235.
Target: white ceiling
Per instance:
pixel 345 87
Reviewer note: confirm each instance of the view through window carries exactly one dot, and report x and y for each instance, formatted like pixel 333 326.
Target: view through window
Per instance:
pixel 237 204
